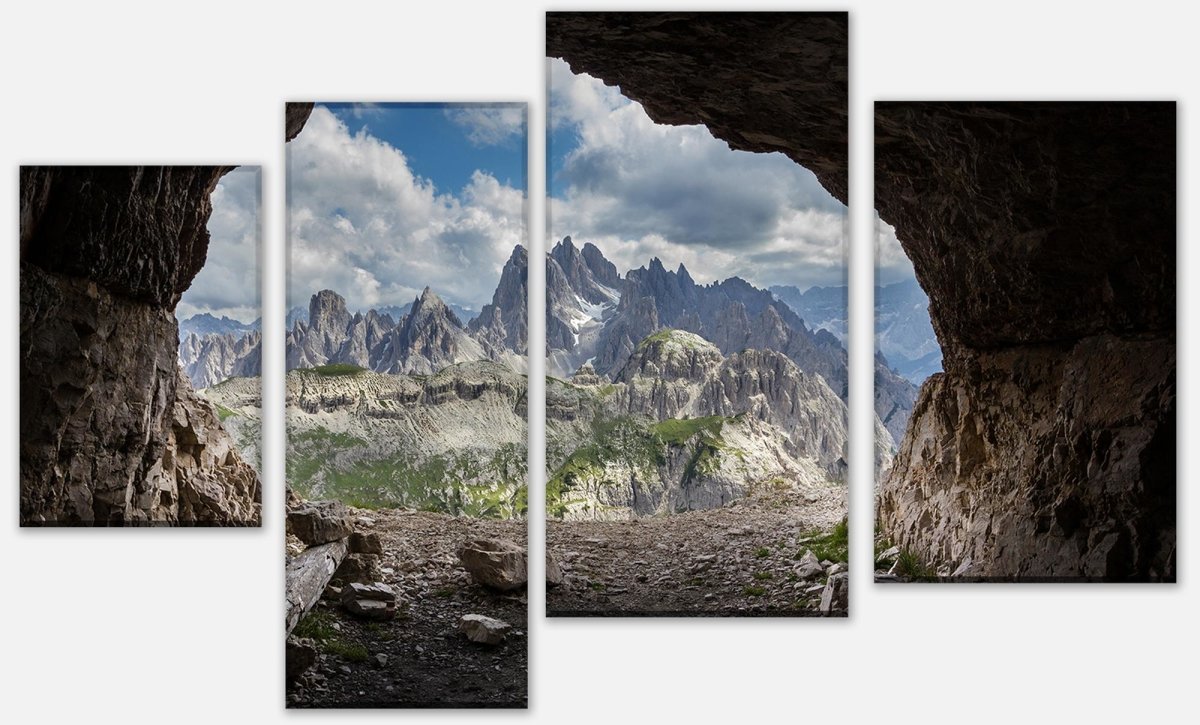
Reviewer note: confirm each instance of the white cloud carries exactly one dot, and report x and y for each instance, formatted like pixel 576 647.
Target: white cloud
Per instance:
pixel 891 263
pixel 638 189
pixel 363 224
pixel 492 124
pixel 228 283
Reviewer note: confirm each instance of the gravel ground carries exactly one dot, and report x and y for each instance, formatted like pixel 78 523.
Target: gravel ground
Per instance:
pixel 426 662
pixel 735 561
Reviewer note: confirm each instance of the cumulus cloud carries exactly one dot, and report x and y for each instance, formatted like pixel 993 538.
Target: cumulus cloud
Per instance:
pixel 490 125
pixel 227 285
pixel 891 263
pixel 364 224
pixel 638 189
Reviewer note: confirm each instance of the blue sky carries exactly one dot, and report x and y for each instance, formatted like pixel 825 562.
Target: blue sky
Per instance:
pixel 437 143
pixel 639 190
pixel 386 199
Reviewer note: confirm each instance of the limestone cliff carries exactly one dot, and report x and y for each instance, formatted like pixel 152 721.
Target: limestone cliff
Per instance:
pixel 683 427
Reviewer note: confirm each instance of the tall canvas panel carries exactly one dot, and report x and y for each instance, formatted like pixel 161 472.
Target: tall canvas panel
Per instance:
pixel 1037 240
pixel 140 318
pixel 406 405
pixel 696 420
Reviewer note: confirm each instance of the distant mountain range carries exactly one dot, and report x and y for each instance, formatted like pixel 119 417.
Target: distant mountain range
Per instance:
pixel 206 324
pixel 297 314
pixel 596 319
pixel 903 332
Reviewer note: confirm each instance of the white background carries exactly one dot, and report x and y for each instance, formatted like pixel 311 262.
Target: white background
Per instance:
pixel 184 625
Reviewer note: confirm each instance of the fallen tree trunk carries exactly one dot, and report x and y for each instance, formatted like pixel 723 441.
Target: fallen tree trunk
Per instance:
pixel 307 575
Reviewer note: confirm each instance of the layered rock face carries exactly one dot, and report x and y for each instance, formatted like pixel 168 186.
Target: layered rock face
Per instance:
pixel 759 81
pixel 683 427
pixel 453 441
pixel 110 431
pixel 1044 234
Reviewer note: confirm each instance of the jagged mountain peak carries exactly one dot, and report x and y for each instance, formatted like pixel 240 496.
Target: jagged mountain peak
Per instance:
pixel 604 271
pixel 683 275
pixel 326 298
pixel 428 306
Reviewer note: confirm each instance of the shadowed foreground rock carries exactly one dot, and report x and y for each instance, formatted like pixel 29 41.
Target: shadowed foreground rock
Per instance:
pixel 111 433
pixel 1044 235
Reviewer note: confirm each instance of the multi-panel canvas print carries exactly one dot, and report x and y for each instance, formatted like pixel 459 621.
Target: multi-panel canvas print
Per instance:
pixel 1037 240
pixel 696 420
pixel 140 348
pixel 406 391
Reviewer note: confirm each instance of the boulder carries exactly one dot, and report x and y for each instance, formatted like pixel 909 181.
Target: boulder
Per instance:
pixel 365 543
pixel 369 601
pixel 377 591
pixel 483 630
pixel 809 566
pixel 372 609
pixel 554 572
pixel 836 595
pixel 319 522
pixel 495 563
pixel 361 568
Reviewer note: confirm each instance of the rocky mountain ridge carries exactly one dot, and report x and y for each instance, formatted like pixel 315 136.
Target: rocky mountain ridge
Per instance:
pixel 587 324
pixel 206 324
pixel 682 427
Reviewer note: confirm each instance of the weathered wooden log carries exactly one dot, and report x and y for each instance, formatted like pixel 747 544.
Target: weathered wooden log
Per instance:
pixel 307 575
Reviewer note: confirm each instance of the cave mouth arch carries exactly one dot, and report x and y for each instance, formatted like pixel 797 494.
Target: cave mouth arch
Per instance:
pixel 1044 235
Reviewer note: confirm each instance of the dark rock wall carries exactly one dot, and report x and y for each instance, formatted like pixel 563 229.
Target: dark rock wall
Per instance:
pixel 759 81
pixel 1044 235
pixel 110 431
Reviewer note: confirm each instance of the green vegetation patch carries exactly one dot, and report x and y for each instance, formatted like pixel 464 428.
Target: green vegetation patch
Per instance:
pixel 833 545
pixel 703 433
pixel 318 626
pixel 677 431
pixel 663 335
pixel 668 334
pixel 337 369
pixel 910 566
pixel 322 463
pixel 223 413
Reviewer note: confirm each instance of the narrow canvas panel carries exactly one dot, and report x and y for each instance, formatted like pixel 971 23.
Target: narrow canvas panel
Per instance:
pixel 696 420
pixel 406 391
pixel 1038 241
pixel 139 302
